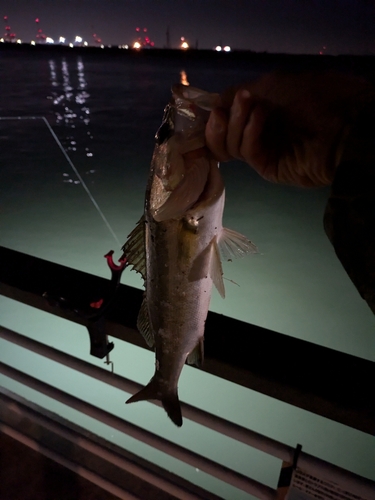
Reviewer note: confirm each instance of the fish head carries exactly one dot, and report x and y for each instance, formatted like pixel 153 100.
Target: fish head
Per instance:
pixel 200 98
pixel 192 109
pixel 181 165
pixel 168 164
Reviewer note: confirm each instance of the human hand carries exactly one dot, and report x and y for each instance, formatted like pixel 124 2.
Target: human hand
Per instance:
pixel 289 128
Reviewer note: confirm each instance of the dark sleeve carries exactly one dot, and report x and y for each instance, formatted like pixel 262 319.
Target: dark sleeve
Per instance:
pixel 349 219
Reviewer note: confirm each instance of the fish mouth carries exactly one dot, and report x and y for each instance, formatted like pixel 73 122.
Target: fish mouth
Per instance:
pixel 166 129
pixel 194 96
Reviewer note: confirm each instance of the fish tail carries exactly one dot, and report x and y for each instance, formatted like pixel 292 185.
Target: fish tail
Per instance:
pixel 169 400
pixel 171 405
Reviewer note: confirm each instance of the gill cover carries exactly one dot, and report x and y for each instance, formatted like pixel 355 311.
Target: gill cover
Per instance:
pixel 182 132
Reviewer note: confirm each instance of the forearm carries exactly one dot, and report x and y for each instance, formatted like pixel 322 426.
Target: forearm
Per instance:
pixel 349 219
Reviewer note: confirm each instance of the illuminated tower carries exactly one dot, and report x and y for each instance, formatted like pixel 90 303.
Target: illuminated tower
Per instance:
pixel 96 38
pixel 143 42
pixel 8 35
pixel 40 36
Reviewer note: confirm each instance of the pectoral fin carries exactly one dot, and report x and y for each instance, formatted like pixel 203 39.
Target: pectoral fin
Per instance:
pixel 216 270
pixel 186 193
pixel 228 245
pixel 208 263
pixel 233 244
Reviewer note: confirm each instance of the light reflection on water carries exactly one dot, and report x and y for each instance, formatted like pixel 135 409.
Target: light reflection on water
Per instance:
pixel 70 105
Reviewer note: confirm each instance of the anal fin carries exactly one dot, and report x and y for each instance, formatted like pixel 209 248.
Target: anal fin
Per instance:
pixel 143 324
pixel 197 355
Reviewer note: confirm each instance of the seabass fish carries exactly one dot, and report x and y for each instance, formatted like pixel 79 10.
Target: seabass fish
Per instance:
pixel 176 245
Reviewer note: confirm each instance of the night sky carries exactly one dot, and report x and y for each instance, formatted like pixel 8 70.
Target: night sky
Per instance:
pixel 291 26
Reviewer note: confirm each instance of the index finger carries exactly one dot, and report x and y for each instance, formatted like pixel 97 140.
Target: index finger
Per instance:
pixel 216 133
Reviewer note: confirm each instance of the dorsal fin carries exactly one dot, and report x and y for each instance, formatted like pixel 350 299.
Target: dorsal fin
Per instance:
pixel 143 325
pixel 134 248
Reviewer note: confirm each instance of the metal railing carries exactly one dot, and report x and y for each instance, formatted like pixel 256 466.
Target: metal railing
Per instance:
pixel 269 367
pixel 27 278
pixel 345 479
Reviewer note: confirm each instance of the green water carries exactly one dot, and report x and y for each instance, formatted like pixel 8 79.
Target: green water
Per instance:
pixel 295 286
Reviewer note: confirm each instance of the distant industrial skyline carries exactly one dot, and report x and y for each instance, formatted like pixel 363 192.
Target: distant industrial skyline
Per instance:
pixel 291 26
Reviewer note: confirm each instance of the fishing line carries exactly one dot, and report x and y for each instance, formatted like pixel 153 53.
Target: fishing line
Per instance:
pixel 72 166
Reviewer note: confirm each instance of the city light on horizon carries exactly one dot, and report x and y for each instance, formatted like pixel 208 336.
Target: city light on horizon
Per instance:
pixel 258 26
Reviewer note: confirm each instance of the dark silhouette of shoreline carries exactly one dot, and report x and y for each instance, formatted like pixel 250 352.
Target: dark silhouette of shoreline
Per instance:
pixel 357 64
